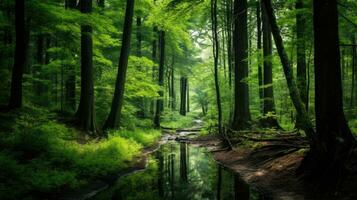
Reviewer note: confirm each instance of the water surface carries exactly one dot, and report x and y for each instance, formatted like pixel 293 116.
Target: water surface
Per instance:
pixel 182 172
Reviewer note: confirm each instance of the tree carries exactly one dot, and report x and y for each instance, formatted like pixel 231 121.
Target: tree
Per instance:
pixel 86 111
pixel 160 101
pixel 113 119
pixel 241 115
pixel 183 88
pixel 215 39
pixel 269 119
pixel 71 79
pixel 259 47
pixel 21 48
pixel 293 89
pixel 328 155
pixel 301 56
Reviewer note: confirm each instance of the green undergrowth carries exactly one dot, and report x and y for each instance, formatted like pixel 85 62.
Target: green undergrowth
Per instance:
pixel 174 120
pixel 40 156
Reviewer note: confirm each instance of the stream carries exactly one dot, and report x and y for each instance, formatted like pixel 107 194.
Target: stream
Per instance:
pixel 179 170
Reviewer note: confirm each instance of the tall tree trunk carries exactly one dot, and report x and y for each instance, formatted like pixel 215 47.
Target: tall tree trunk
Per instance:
pixel 241 115
pixel 21 48
pixel 113 119
pixel 70 83
pixel 183 87
pixel 268 93
pixel 328 156
pixel 86 110
pixel 229 40
pixel 293 89
pixel 188 97
pixel 138 36
pixel 160 101
pixel 353 75
pixel 154 59
pixel 301 56
pixel 173 100
pixel 216 57
pixel 259 48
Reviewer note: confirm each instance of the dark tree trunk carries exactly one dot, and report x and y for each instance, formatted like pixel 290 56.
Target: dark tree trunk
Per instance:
pixel 293 89
pixel 160 101
pixel 301 57
pixel 268 92
pixel 113 119
pixel 70 83
pixel 154 59
pixel 241 116
pixel 259 47
pixel 173 93
pixel 138 36
pixel 188 97
pixel 215 38
pixel 86 110
pixel 353 72
pixel 229 40
pixel 21 48
pixel 329 154
pixel 183 88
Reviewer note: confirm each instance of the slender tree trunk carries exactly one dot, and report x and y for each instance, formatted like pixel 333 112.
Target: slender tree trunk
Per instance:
pixel 154 59
pixel 229 39
pixel 86 110
pixel 113 119
pixel 293 89
pixel 216 57
pixel 160 101
pixel 301 56
pixel 21 48
pixel 173 101
pixel 259 48
pixel 188 97
pixel 183 88
pixel 268 92
pixel 353 72
pixel 241 115
pixel 138 36
pixel 327 157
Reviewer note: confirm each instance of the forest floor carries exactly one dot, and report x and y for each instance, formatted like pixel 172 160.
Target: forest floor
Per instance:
pixel 270 167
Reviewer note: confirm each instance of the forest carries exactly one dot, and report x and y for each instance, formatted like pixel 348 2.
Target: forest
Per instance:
pixel 178 99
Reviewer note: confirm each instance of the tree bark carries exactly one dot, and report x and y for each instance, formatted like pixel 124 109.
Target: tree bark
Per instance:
pixel 301 57
pixel 259 48
pixel 188 97
pixel 21 48
pixel 160 101
pixel 353 75
pixel 327 157
pixel 86 110
pixel 113 119
pixel 268 92
pixel 241 116
pixel 70 83
pixel 293 90
pixel 216 57
pixel 183 87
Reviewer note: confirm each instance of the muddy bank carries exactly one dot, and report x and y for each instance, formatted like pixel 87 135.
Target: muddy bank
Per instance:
pixel 273 176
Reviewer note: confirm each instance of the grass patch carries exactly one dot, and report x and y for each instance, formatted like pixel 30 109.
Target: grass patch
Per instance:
pixel 39 156
pixel 144 137
pixel 175 121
